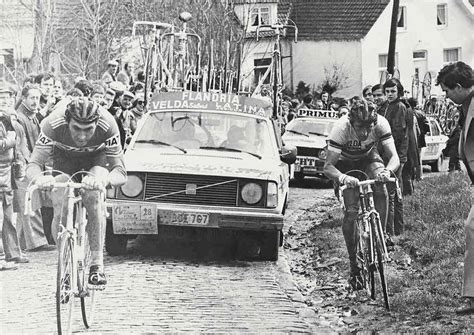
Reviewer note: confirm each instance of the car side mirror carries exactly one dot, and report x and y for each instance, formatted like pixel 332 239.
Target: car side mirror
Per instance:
pixel 288 154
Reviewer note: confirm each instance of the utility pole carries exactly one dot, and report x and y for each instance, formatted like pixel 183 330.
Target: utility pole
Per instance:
pixel 393 38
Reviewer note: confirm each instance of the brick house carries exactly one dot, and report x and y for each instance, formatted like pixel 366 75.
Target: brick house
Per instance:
pixel 352 36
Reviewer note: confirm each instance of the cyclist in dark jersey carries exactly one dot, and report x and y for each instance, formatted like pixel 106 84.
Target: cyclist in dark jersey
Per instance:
pixel 81 136
pixel 353 146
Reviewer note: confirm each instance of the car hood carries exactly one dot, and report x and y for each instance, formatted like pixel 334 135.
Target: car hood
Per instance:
pixel 313 141
pixel 203 162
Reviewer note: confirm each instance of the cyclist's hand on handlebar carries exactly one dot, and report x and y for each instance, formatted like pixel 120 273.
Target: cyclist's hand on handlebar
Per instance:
pixel 351 182
pixel 93 183
pixel 45 182
pixel 383 176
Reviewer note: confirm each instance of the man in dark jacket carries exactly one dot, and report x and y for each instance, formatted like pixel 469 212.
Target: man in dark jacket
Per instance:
pixel 32 230
pixel 397 116
pixel 457 81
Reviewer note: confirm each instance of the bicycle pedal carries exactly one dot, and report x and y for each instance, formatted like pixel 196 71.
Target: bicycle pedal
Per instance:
pixel 96 287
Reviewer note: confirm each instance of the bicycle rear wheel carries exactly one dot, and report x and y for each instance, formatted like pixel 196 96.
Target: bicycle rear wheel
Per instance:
pixel 88 297
pixel 65 286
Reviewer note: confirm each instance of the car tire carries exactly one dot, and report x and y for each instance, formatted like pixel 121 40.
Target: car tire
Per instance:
pixel 436 166
pixel 115 244
pixel 269 245
pixel 258 245
pixel 299 176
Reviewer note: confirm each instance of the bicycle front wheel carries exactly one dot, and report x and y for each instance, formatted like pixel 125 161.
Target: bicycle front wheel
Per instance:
pixel 380 263
pixel 65 286
pixel 88 297
pixel 364 259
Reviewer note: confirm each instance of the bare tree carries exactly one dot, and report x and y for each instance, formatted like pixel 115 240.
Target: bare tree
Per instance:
pixel 335 78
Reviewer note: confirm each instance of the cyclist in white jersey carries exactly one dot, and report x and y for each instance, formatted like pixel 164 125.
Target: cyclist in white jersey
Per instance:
pixel 353 145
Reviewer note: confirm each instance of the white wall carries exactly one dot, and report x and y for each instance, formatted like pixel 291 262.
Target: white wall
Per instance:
pixel 311 57
pixel 422 33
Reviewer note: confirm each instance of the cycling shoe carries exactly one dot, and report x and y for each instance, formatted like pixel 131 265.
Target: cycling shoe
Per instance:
pixel 97 279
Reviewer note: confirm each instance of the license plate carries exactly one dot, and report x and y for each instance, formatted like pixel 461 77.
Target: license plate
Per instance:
pixel 134 219
pixel 183 218
pixel 307 161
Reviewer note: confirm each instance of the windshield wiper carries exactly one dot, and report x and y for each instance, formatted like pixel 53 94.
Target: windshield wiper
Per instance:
pixel 297 132
pixel 315 133
pixel 161 143
pixel 231 149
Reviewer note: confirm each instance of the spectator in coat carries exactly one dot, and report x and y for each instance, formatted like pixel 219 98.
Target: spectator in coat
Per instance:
pixel 125 76
pixel 34 234
pixel 396 114
pixel 109 74
pixel 457 80
pixel 8 151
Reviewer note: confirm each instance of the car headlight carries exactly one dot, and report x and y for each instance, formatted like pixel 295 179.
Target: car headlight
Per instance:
pixel 272 195
pixel 322 154
pixel 133 187
pixel 251 193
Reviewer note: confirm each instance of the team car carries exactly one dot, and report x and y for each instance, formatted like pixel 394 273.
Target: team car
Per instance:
pixel 308 132
pixel 432 154
pixel 201 162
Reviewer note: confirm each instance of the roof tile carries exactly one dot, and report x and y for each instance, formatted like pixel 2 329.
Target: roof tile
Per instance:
pixel 335 19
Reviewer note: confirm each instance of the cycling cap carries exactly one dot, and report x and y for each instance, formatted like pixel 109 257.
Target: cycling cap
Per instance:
pixel 82 110
pixel 362 111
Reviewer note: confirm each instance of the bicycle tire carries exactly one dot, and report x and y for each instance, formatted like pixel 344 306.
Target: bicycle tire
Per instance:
pixel 380 261
pixel 149 73
pixel 363 260
pixel 64 286
pixel 88 297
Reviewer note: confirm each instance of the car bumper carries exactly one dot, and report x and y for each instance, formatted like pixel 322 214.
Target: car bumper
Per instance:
pixel 130 217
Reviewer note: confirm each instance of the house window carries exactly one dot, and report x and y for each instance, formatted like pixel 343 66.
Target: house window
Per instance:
pixel 441 15
pixel 419 55
pixel 451 55
pixel 261 66
pixel 260 15
pixel 402 18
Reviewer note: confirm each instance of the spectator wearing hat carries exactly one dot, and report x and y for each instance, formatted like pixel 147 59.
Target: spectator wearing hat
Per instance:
pixel 109 74
pixel 8 146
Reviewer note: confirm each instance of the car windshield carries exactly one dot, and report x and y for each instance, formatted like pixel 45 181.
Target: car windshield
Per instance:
pixel 207 131
pixel 311 127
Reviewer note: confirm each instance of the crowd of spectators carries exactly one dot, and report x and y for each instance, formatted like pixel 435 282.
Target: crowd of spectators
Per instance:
pixel 21 111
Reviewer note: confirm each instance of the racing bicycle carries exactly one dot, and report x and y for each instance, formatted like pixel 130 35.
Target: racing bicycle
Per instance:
pixel 276 68
pixel 371 249
pixel 74 259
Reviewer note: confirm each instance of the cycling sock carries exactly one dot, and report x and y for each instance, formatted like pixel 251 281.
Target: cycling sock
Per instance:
pixel 97 258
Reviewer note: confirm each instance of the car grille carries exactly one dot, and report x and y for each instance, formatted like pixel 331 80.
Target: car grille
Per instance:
pixel 162 186
pixel 309 152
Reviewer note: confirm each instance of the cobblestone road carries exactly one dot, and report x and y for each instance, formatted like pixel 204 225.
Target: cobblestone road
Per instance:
pixel 149 292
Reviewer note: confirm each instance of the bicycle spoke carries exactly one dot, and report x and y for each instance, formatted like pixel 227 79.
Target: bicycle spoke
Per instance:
pixel 65 286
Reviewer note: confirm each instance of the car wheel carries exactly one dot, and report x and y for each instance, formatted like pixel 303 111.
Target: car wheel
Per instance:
pixel 436 166
pixel 115 244
pixel 299 176
pixel 258 245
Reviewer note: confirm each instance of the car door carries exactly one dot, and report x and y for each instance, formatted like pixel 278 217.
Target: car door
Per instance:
pixel 434 144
